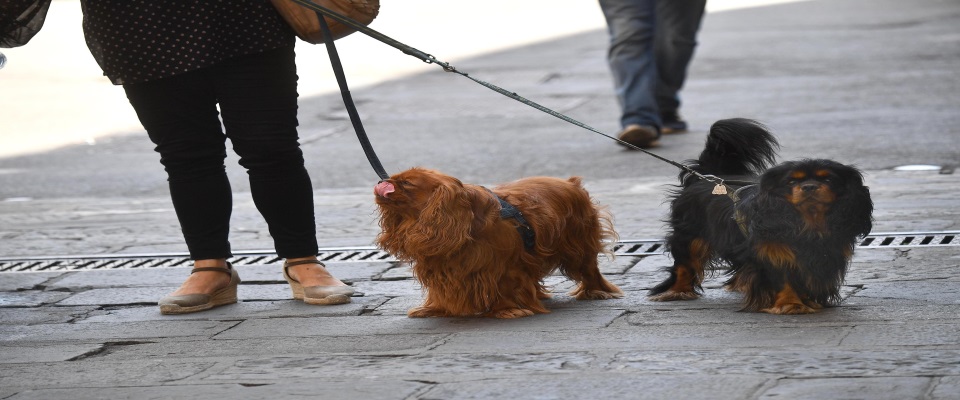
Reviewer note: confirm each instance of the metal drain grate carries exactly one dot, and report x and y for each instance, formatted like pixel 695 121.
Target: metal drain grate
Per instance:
pixel 169 260
pixel 372 254
pixel 911 239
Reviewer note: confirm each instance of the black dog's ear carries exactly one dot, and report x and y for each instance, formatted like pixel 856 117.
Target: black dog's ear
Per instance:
pixel 853 210
pixel 774 178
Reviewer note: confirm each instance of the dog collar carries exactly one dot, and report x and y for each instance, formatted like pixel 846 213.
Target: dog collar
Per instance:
pixel 508 211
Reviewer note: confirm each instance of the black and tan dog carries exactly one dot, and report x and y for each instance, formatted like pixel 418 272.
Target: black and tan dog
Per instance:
pixel 787 239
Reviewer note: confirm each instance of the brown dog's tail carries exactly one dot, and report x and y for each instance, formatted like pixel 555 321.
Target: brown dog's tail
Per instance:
pixel 608 234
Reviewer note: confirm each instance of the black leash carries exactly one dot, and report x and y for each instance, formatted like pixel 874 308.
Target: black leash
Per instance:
pixel 720 188
pixel 348 102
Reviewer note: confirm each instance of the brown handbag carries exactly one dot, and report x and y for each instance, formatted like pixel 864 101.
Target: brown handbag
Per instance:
pixel 306 22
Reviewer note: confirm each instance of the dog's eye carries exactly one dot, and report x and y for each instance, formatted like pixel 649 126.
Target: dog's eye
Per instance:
pixel 406 184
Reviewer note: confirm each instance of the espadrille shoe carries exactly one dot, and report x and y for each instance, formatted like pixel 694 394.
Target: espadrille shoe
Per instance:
pixel 189 303
pixel 318 295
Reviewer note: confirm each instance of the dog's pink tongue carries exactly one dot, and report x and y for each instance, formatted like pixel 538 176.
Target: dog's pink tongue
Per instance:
pixel 383 189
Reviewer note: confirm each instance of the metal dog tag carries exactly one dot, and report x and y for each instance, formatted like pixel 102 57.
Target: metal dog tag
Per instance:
pixel 720 189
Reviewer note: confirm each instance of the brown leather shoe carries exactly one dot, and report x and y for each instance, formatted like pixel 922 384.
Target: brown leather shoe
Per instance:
pixel 190 303
pixel 642 136
pixel 317 295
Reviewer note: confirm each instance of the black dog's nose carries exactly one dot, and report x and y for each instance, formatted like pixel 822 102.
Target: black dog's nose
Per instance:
pixel 809 187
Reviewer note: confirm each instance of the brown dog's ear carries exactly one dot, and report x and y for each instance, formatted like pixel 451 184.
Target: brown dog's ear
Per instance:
pixel 445 222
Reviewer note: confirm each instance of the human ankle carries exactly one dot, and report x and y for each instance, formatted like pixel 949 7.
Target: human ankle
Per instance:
pixel 210 263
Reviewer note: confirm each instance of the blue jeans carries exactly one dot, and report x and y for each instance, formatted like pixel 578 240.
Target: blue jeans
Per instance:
pixel 651 45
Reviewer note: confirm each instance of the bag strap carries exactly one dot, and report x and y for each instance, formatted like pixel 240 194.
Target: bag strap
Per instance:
pixel 348 102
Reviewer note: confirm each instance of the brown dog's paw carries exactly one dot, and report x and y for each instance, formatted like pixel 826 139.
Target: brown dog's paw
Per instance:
pixel 595 295
pixel 508 313
pixel 789 309
pixel 671 295
pixel 424 312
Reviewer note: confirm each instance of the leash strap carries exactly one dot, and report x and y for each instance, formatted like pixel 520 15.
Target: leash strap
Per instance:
pixel 348 102
pixel 430 59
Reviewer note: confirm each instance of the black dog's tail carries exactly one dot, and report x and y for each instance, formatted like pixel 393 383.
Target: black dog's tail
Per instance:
pixel 736 146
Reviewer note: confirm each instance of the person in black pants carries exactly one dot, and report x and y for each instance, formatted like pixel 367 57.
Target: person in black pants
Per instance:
pixel 197 74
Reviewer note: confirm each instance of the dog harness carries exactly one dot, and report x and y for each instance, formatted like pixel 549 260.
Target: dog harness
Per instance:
pixel 737 215
pixel 508 211
pixel 721 190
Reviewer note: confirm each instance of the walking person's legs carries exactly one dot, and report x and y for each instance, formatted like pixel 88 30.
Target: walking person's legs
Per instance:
pixel 678 22
pixel 631 25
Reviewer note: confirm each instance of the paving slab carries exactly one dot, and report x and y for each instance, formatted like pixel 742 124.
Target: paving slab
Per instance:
pixel 607 385
pixel 933 291
pixel 849 388
pixel 441 367
pixel 173 276
pixel 327 389
pixel 617 265
pixel 30 298
pixel 717 310
pixel 75 281
pixel 117 296
pixel 940 263
pixel 397 306
pixel 43 315
pixel 25 280
pixel 677 337
pixel 406 288
pixel 357 271
pixel 947 387
pixel 308 344
pixel 395 325
pixel 45 353
pixel 102 374
pixel 242 310
pixel 797 362
pixel 400 271
pixel 111 331
pixel 911 333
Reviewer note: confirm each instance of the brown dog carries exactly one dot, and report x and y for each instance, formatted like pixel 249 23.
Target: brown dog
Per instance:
pixel 479 252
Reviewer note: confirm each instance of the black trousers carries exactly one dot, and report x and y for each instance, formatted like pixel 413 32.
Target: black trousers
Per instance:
pixel 257 98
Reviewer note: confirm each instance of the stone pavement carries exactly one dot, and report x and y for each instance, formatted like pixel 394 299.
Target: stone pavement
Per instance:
pixel 98 334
